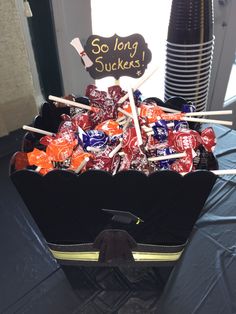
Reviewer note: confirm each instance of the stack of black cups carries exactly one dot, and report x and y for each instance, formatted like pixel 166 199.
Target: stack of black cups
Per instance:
pixel 189 51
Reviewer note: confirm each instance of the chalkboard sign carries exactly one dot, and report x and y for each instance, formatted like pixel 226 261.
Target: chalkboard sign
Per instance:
pixel 117 56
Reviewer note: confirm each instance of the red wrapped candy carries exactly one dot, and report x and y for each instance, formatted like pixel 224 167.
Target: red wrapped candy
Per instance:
pixel 184 139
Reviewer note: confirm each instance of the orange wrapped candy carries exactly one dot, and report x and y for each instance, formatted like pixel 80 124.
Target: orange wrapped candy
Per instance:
pixel 151 112
pixel 59 149
pixel 40 159
pixel 77 157
pixel 110 127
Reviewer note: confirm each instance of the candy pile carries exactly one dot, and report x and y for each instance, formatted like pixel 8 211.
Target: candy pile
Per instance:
pixel 108 134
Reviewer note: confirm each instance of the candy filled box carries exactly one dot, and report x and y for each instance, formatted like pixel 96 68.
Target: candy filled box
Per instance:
pixel 98 197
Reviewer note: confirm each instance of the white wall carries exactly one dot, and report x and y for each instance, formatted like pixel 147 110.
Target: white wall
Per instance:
pixel 72 19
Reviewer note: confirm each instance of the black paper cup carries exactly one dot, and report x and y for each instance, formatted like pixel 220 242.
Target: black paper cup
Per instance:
pixel 191 22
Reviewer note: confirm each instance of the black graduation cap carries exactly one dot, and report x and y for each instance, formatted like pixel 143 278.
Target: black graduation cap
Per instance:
pixel 123 217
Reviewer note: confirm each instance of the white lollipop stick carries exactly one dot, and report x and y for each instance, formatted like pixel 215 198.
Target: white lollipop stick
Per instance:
pixel 38 169
pixel 168 109
pixel 115 150
pixel 135 117
pixel 209 113
pixel 121 153
pixel 81 166
pixel 217 172
pixel 171 156
pixel 139 83
pixel 70 103
pixel 223 172
pixel 93 149
pixel 36 130
pixel 202 120
pixel 76 43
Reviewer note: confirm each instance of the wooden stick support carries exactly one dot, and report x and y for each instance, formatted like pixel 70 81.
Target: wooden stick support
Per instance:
pixel 81 166
pixel 135 116
pixel 36 130
pixel 139 83
pixel 171 156
pixel 70 103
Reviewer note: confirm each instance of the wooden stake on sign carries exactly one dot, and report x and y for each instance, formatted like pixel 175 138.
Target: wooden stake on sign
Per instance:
pixel 139 83
pixel 36 130
pixel 72 103
pixel 76 43
pixel 81 166
pixel 171 156
pixel 135 116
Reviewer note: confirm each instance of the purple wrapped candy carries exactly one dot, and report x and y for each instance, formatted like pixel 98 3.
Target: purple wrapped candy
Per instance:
pixel 93 138
pixel 189 107
pixel 180 125
pixel 165 164
pixel 160 130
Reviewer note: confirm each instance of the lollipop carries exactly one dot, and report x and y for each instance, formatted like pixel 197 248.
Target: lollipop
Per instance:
pixel 93 138
pixel 102 161
pixel 110 127
pixel 41 160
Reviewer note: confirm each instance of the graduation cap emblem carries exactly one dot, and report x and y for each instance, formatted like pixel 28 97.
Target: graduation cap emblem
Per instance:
pixel 123 217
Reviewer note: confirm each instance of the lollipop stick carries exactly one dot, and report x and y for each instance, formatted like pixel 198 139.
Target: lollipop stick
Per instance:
pixel 135 117
pixel 93 149
pixel 81 166
pixel 72 103
pixel 209 113
pixel 139 83
pixel 202 120
pixel 171 156
pixel 36 130
pixel 217 172
pixel 115 150
pixel 168 109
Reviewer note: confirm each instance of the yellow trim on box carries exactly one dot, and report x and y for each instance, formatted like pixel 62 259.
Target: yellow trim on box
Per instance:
pixel 92 256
